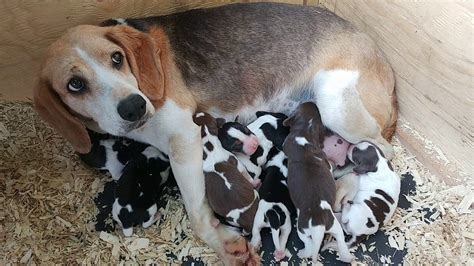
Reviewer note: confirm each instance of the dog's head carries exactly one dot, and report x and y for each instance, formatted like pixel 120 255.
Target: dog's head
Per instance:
pixel 367 157
pixel 105 77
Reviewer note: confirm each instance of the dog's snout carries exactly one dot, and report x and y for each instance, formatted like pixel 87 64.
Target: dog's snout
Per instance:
pixel 132 108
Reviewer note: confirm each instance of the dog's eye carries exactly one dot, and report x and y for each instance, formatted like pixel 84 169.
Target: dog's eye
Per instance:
pixel 117 59
pixel 76 85
pixel 237 144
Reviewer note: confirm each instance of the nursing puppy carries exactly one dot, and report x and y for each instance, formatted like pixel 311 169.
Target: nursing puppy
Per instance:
pixel 376 196
pixel 144 78
pixel 139 189
pixel 261 136
pixel 311 184
pixel 111 154
pixel 229 191
pixel 275 206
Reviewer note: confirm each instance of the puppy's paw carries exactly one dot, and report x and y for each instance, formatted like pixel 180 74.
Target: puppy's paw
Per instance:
pixel 279 255
pixel 305 253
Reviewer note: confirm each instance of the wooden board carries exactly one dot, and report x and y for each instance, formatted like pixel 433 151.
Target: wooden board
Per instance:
pixel 430 46
pixel 28 27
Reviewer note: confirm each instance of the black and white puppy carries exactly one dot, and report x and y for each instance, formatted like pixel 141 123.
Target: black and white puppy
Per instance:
pixel 111 153
pixel 139 169
pixel 275 206
pixel 261 135
pixel 377 189
pixel 139 189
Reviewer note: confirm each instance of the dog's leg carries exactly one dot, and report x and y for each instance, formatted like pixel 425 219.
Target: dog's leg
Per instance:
pixel 185 153
pixel 284 234
pixel 258 224
pixel 317 235
pixel 346 189
pixel 343 111
pixel 338 234
pixel 307 251
pixel 275 232
pixel 154 216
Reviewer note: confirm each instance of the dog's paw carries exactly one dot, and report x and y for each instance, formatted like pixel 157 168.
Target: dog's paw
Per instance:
pixel 305 253
pixel 279 254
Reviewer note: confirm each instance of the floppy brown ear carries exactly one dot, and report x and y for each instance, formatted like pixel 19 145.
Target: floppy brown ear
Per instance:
pixel 289 121
pixel 52 110
pixel 144 59
pixel 220 122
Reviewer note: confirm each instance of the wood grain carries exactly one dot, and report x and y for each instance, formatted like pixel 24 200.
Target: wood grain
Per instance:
pixel 28 27
pixel 430 46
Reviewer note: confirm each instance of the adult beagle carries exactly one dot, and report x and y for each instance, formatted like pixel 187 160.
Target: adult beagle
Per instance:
pixel 145 78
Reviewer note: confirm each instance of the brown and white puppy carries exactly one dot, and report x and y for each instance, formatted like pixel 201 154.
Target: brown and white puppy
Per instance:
pixel 228 190
pixel 311 184
pixel 145 78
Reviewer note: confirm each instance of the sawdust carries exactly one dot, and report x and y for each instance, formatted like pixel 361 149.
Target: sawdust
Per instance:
pixel 48 212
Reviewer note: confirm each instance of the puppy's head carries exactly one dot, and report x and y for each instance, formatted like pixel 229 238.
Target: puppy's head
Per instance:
pixel 237 138
pixel 212 124
pixel 272 127
pixel 306 121
pixel 366 156
pixel 109 78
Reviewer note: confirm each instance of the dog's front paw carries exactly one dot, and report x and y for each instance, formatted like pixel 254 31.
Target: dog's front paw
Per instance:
pixel 279 254
pixel 240 252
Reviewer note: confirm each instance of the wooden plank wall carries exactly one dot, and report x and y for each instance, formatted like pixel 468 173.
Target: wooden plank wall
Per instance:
pixel 430 46
pixel 28 27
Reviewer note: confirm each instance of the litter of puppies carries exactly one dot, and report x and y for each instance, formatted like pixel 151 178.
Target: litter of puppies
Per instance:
pixel 46 194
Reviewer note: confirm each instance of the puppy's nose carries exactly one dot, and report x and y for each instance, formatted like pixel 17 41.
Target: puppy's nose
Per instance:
pixel 132 108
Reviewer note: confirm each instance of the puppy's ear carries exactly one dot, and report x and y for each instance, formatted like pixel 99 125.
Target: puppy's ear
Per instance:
pixel 202 118
pixel 144 59
pixel 289 121
pixel 220 122
pixel 52 110
pixel 261 113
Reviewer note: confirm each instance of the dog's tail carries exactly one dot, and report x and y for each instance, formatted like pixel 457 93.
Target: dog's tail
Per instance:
pixel 389 130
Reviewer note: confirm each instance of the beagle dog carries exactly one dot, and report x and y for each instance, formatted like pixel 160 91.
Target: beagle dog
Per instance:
pixel 145 78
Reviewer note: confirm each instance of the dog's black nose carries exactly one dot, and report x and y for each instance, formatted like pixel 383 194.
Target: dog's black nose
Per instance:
pixel 132 108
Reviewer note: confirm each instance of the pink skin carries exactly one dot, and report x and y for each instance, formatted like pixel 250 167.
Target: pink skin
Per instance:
pixel 279 255
pixel 250 145
pixel 215 223
pixel 336 149
pixel 256 183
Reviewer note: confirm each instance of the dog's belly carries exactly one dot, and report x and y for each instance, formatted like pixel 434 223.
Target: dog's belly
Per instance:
pixel 284 101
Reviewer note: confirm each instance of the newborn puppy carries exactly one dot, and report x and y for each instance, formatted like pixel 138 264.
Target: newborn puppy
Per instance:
pixel 376 196
pixel 275 208
pixel 262 135
pixel 139 189
pixel 311 184
pixel 228 185
pixel 275 205
pixel 111 153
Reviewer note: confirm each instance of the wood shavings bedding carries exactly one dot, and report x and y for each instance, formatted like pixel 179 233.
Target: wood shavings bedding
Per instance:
pixel 48 212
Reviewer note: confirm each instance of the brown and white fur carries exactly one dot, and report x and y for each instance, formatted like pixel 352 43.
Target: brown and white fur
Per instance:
pixel 228 190
pixel 207 59
pixel 373 198
pixel 311 184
